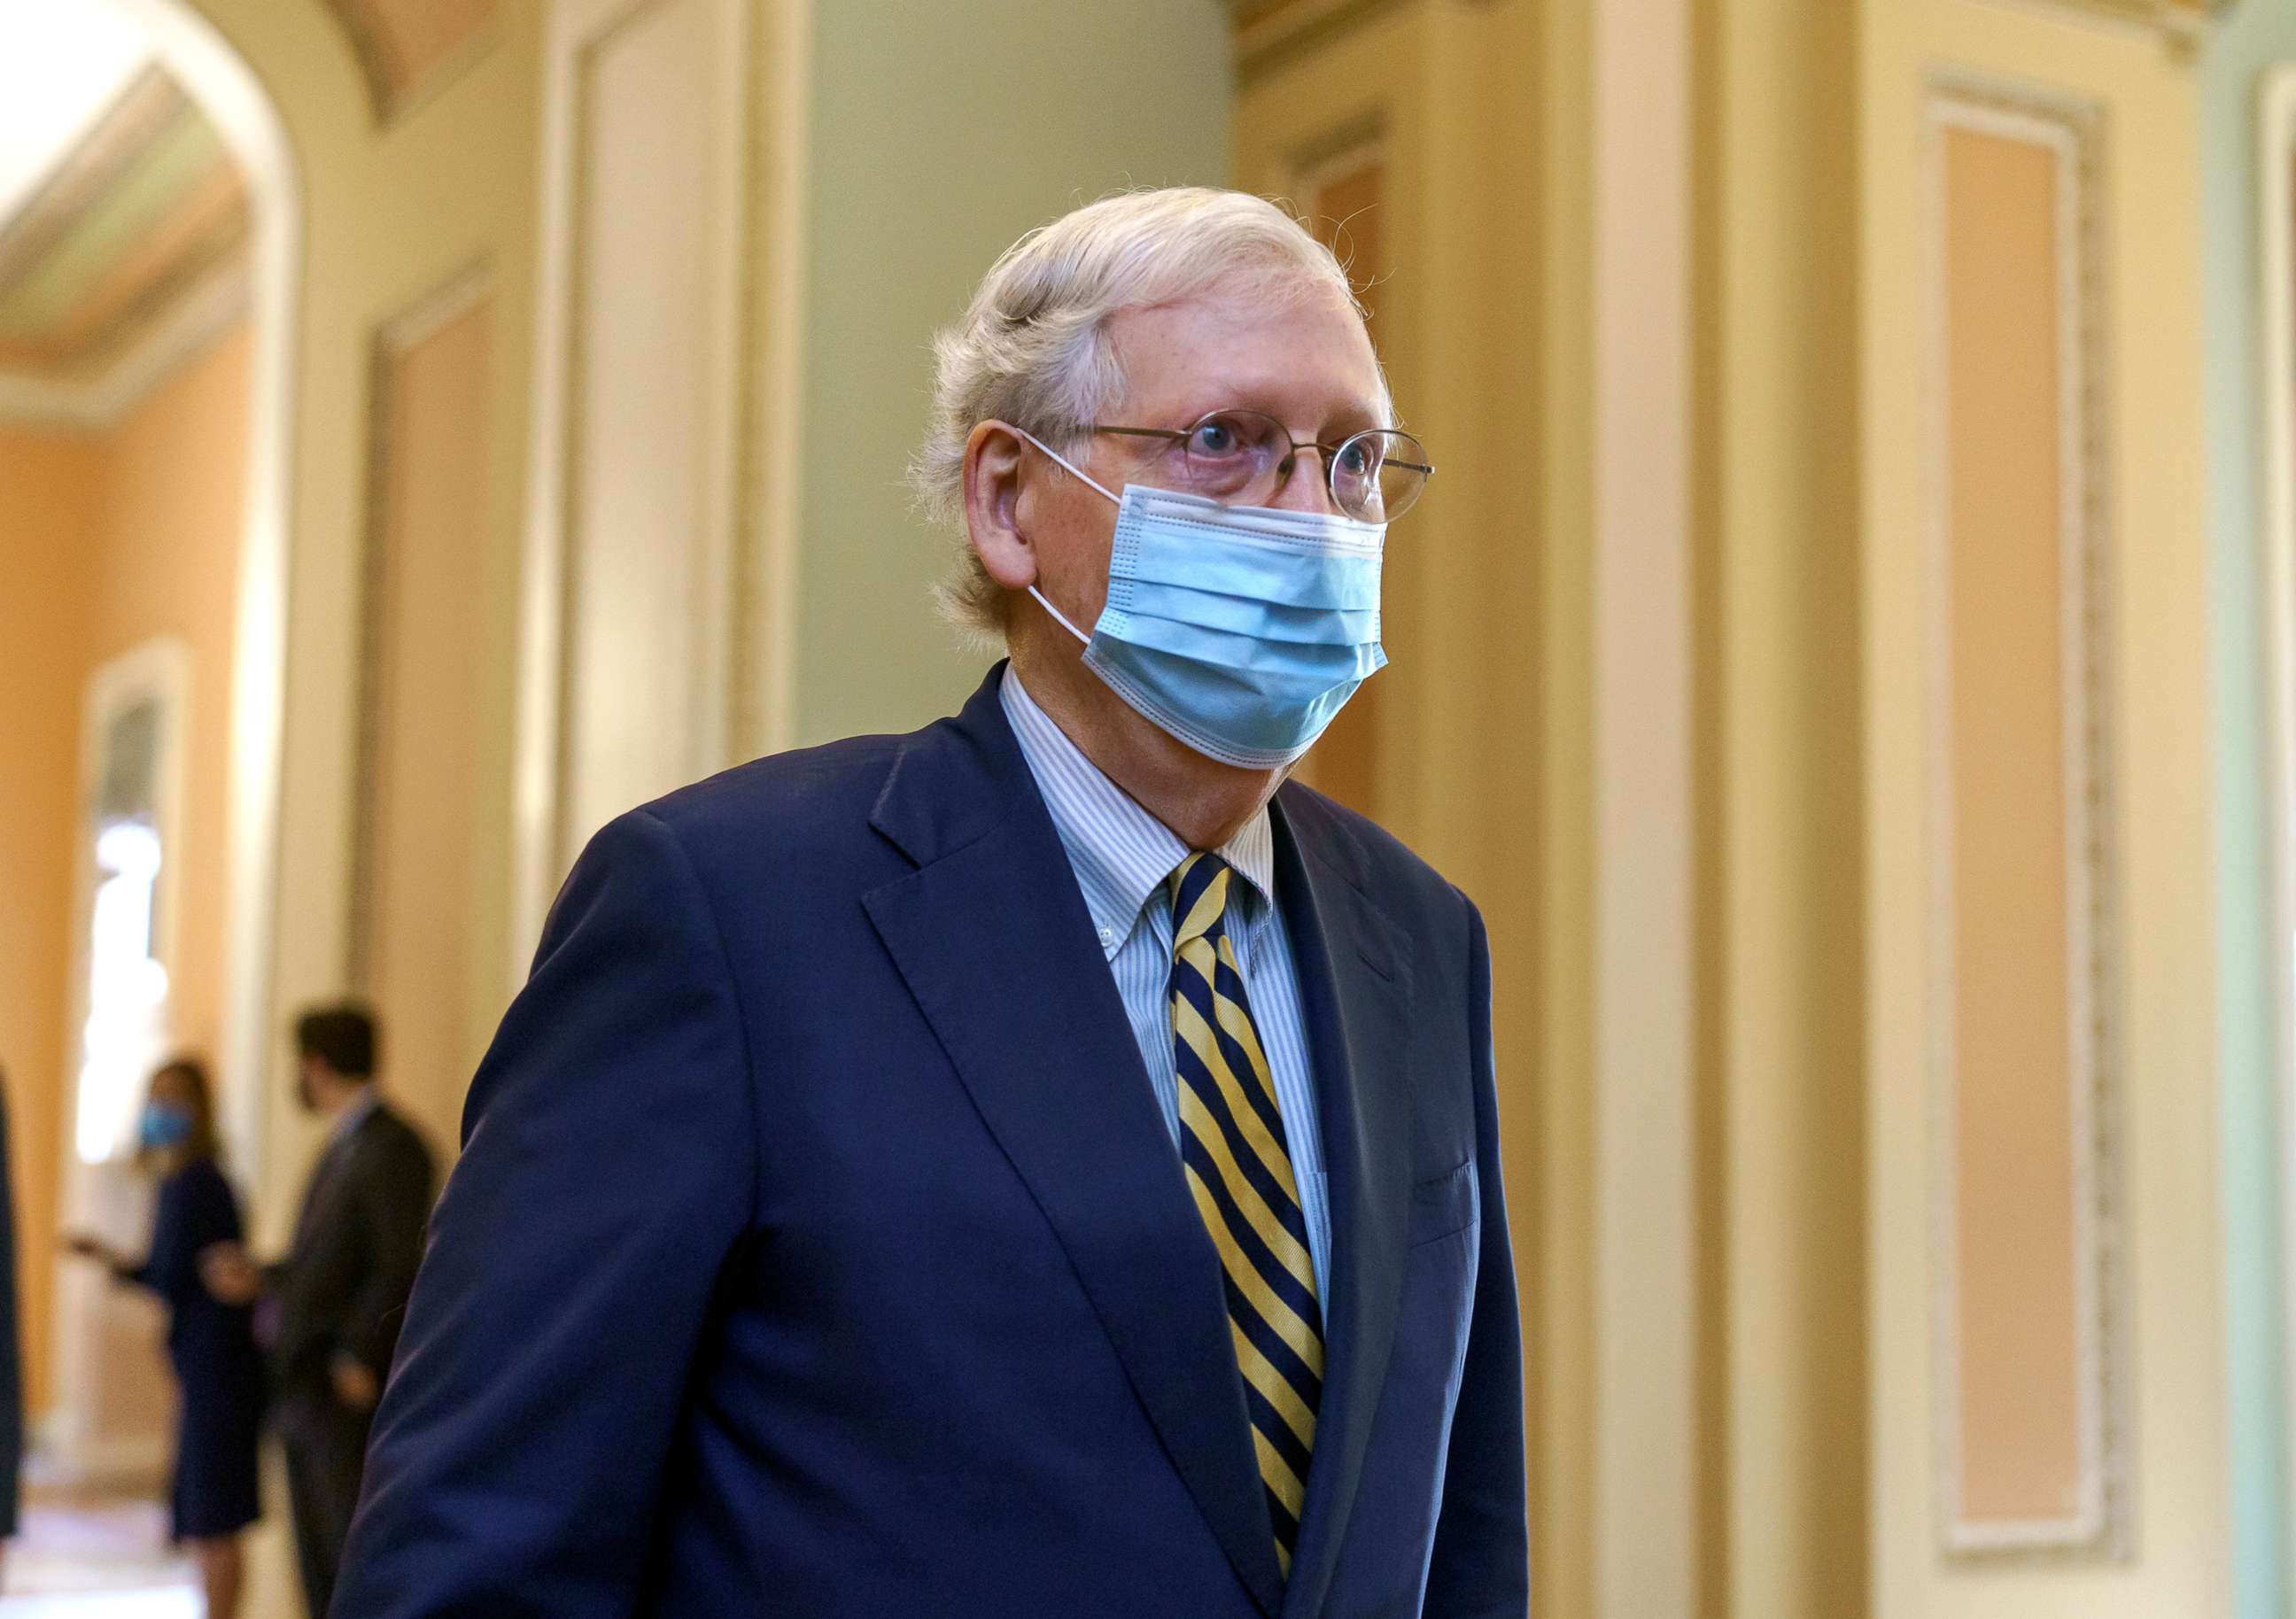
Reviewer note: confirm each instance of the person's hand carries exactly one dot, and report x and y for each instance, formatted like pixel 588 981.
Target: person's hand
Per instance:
pixel 81 1246
pixel 230 1274
pixel 355 1385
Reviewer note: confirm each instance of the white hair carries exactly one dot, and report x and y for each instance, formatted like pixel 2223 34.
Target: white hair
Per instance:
pixel 1032 350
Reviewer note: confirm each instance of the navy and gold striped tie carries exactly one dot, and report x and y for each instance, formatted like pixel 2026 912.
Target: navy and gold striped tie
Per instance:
pixel 1239 1169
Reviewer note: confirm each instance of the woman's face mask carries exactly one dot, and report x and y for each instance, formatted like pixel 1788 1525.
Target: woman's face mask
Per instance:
pixel 163 1125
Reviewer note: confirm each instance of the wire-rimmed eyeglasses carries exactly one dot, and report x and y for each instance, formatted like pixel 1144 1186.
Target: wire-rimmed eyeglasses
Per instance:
pixel 1243 457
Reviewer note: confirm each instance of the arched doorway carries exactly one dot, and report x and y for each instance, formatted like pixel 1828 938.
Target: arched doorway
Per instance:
pixel 149 220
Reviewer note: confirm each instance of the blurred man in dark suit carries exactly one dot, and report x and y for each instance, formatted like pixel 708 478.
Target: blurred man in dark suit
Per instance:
pixel 334 1305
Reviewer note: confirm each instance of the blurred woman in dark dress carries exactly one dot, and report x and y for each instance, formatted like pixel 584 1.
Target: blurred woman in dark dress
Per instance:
pixel 210 1343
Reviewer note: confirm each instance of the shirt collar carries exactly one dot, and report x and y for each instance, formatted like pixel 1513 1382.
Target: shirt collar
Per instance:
pixel 1122 855
pixel 353 1114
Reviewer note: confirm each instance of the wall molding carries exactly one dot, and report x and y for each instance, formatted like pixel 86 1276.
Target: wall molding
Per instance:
pixel 221 298
pixel 2178 22
pixel 1269 34
pixel 391 96
pixel 2074 132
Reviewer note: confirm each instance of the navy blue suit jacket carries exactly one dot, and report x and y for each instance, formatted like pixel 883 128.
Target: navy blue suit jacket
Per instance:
pixel 817 1247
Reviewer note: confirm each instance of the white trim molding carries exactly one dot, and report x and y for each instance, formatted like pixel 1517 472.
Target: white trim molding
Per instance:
pixel 229 93
pixel 1646 1339
pixel 95 1196
pixel 2277 275
pixel 2073 132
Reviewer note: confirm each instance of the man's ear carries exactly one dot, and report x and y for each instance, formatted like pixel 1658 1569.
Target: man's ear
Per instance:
pixel 995 455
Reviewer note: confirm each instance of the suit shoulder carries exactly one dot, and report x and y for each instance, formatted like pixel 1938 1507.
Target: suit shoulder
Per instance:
pixel 798 797
pixel 394 1133
pixel 1388 864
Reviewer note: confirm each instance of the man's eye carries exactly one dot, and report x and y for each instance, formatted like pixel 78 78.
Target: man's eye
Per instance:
pixel 1215 439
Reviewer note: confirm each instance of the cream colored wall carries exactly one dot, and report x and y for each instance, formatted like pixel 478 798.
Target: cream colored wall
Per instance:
pixel 937 134
pixel 2158 630
pixel 49 492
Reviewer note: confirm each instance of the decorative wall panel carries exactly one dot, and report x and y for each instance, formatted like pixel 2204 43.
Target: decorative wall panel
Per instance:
pixel 422 669
pixel 2021 1001
pixel 638 581
pixel 634 591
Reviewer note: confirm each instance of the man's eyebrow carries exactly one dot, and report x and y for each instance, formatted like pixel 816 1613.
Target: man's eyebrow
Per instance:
pixel 1359 417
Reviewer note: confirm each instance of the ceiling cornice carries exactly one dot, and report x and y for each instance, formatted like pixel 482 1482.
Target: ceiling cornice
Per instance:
pixel 95 400
pixel 150 106
pixel 1266 34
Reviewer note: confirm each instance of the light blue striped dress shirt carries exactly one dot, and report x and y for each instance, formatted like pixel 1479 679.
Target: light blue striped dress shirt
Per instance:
pixel 1123 856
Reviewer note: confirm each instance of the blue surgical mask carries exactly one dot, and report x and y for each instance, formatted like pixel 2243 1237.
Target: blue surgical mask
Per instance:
pixel 1240 630
pixel 164 1125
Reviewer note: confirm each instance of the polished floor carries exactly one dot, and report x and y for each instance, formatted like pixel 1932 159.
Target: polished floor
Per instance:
pixel 82 1559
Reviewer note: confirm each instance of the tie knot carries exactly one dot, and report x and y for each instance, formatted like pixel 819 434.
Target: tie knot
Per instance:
pixel 1199 887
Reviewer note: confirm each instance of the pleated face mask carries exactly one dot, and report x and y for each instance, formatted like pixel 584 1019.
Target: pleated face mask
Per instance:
pixel 1239 630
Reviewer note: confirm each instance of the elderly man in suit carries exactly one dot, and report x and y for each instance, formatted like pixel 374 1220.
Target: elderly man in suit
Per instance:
pixel 1044 1164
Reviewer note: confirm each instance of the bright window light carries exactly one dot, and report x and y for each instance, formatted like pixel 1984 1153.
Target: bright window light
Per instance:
pixel 126 989
pixel 62 63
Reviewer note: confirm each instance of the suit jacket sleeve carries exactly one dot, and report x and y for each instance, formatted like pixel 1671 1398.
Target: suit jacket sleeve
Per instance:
pixel 1481 1567
pixel 606 1184
pixel 394 1200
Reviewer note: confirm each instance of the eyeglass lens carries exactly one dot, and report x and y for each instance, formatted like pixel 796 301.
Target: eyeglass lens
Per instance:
pixel 1243 457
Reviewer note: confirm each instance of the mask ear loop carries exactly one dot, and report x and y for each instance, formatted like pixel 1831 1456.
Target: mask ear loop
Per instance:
pixel 1043 601
pixel 1059 616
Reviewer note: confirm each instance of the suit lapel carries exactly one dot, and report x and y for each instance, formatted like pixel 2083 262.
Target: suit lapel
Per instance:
pixel 1354 996
pixel 991 935
pixel 320 1190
